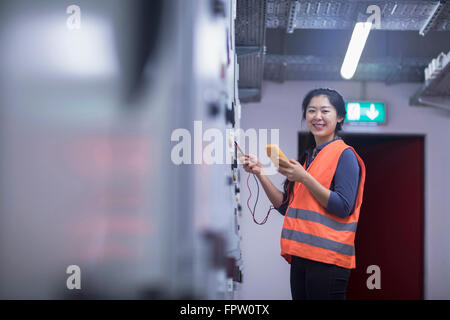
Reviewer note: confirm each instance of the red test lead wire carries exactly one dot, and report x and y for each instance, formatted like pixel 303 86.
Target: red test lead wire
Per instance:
pixel 256 202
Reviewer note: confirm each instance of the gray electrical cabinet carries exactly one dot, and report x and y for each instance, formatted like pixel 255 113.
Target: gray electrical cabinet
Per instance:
pixel 119 173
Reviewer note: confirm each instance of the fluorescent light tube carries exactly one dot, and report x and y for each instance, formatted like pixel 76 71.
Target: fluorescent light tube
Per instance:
pixel 355 48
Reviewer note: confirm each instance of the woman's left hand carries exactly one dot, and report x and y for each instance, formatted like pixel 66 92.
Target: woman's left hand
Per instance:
pixel 293 170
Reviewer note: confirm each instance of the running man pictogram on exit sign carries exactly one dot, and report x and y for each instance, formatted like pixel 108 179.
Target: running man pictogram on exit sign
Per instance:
pixel 365 112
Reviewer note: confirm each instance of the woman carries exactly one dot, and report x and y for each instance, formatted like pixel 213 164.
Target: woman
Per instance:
pixel 321 202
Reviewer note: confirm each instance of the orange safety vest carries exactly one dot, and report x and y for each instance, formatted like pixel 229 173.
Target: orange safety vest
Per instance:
pixel 308 230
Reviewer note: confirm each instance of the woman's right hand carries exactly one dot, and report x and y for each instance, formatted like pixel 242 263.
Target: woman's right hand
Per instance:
pixel 251 164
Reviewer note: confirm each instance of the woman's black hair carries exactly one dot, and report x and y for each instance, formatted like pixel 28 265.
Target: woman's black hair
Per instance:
pixel 338 103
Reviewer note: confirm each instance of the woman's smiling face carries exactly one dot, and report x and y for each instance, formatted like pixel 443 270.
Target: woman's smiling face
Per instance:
pixel 321 117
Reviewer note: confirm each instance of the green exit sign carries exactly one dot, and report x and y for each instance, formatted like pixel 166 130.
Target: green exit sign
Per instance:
pixel 365 112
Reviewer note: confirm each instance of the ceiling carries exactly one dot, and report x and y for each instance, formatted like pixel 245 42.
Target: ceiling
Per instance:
pixel 283 40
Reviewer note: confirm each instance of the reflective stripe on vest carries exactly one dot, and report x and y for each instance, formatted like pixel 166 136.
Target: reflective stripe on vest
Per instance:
pixel 317 217
pixel 318 242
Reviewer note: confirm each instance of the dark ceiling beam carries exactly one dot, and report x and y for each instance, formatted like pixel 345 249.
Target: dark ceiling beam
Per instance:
pixel 250 94
pixel 281 68
pixel 250 47
pixel 247 50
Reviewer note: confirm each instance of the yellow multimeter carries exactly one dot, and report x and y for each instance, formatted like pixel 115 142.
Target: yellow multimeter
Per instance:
pixel 274 152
